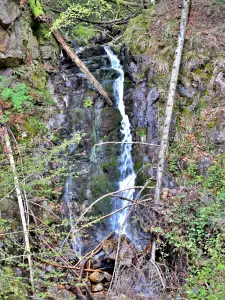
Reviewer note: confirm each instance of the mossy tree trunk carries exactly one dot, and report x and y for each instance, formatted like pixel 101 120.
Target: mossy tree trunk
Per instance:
pixel 171 97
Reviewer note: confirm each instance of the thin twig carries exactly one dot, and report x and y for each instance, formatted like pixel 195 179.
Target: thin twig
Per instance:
pixel 96 201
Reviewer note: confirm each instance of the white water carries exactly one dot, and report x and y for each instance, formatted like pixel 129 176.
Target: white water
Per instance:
pixel 75 238
pixel 127 174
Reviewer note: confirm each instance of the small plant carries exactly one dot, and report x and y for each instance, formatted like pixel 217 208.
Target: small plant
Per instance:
pixel 141 132
pixel 19 96
pixel 87 102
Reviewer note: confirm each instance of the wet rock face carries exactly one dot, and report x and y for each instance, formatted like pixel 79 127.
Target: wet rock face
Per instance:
pixel 141 100
pixel 85 112
pixel 10 42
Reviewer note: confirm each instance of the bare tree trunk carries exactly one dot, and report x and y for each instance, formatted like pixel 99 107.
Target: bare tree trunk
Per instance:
pixel 82 67
pixel 171 96
pixel 20 201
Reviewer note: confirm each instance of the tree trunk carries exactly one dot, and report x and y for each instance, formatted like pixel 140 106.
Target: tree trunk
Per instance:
pixel 6 141
pixel 82 67
pixel 171 96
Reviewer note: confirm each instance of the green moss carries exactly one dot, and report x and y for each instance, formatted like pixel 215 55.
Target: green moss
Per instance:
pixel 99 185
pixel 55 137
pixel 141 131
pixel 33 126
pixel 136 34
pixel 112 163
pixel 42 34
pixel 204 73
pixel 36 8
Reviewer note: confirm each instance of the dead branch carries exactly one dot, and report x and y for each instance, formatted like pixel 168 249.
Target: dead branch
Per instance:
pixel 96 201
pixel 139 143
pixel 97 249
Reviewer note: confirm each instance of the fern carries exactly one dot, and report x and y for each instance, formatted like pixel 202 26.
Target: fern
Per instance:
pixel 18 96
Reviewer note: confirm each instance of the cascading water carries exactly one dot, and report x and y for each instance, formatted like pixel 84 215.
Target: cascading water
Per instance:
pixel 127 174
pixel 68 194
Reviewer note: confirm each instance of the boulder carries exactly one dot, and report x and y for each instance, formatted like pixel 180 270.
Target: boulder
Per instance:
pixel 110 248
pixel 10 35
pixel 57 293
pixel 107 121
pixel 107 276
pixel 97 287
pixel 32 45
pixel 96 277
pixel 203 165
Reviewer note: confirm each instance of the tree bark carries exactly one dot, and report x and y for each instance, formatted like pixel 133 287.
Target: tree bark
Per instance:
pixel 171 96
pixel 6 141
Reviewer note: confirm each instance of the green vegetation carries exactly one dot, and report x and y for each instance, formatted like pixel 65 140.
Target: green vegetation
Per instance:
pixel 83 34
pixel 19 96
pixel 141 132
pixel 89 10
pixel 136 35
pixel 36 8
pixel 88 102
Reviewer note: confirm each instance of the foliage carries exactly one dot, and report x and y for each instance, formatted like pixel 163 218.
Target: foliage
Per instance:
pixel 197 232
pixel 36 8
pixel 88 102
pixel 91 9
pixel 49 162
pixel 141 132
pixel 136 35
pixel 215 182
pixel 18 94
pixel 12 287
pixel 84 33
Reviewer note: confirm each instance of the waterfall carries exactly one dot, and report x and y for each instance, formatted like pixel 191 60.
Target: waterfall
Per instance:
pixel 126 167
pixel 75 238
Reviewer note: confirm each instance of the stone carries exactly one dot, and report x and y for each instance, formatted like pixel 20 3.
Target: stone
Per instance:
pixel 220 83
pixel 96 277
pixel 58 293
pixel 203 165
pixel 10 35
pixel 9 12
pixel 108 120
pixel 165 193
pixel 126 252
pixel 6 72
pixel 188 92
pixel 48 52
pixel 217 133
pixel 97 287
pixel 56 122
pixel 110 248
pixel 173 192
pixel 32 46
pixel 107 276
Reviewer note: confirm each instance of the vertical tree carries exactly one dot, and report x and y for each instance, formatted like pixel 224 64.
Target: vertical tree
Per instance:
pixel 6 142
pixel 171 97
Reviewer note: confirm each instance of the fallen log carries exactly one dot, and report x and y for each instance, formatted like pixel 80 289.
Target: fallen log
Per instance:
pixel 82 67
pixel 39 14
